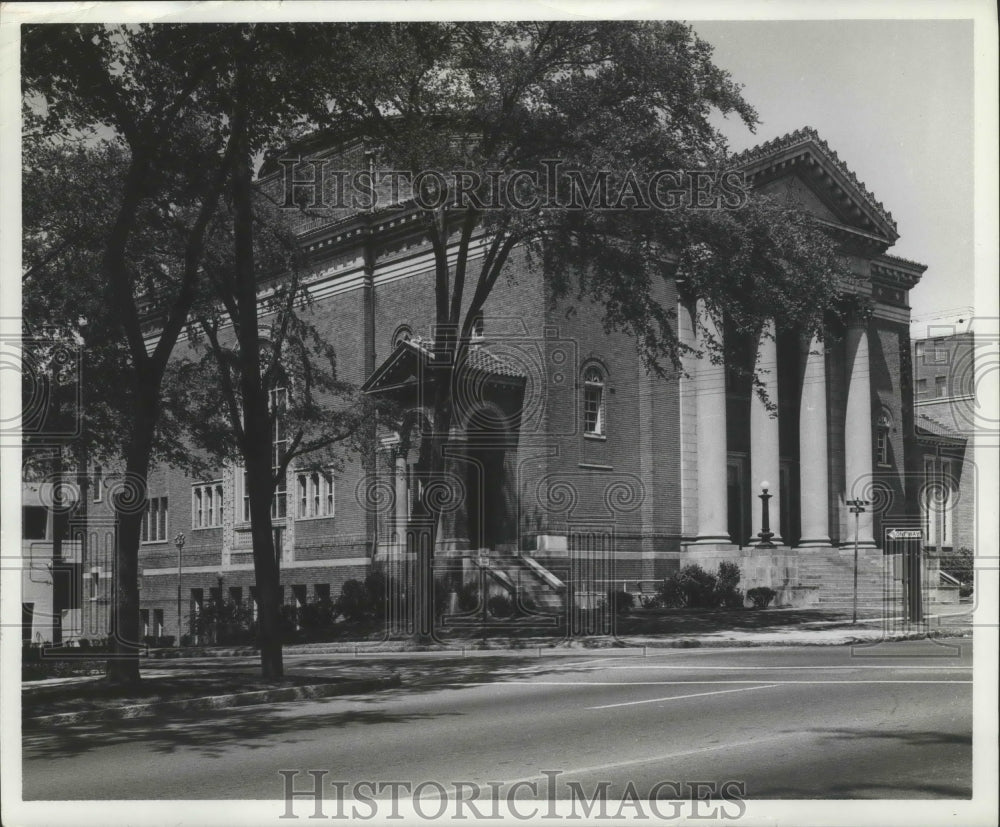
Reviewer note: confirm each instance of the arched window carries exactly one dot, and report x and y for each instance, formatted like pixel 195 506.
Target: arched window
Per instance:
pixel 403 334
pixel 477 328
pixel 594 420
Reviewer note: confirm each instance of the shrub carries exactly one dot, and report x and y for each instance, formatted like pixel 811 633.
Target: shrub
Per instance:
pixel 500 606
pixel 726 592
pixel 697 587
pixel 670 595
pixel 650 601
pixel 619 601
pixel 317 616
pixel 761 596
pixel 354 603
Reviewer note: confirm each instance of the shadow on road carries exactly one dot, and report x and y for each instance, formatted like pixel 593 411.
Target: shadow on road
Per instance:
pixel 211 732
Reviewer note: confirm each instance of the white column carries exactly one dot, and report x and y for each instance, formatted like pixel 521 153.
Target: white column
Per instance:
pixel 814 489
pixel 764 450
pixel 710 391
pixel 858 431
pixel 401 500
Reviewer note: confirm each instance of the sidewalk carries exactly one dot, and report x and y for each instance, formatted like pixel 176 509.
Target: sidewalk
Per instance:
pixel 180 690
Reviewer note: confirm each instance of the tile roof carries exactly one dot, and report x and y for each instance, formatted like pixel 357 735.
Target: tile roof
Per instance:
pixel 936 427
pixel 478 357
pixel 808 135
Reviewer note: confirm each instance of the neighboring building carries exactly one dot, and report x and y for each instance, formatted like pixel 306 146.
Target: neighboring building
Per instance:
pixel 570 458
pixel 944 373
pixel 51 582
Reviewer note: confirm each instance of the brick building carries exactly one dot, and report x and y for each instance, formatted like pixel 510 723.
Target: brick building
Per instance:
pixel 945 413
pixel 569 460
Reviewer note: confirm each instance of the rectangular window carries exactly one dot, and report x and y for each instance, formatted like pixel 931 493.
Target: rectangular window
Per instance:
pixel 299 602
pixel 158 622
pixel 253 603
pixel 144 621
pixel 321 592
pixel 154 521
pixel 302 483
pixel 197 604
pixel 314 494
pixel 206 505
pixel 928 510
pixel 940 386
pixel 919 352
pixel 940 353
pixel 34 522
pixel 593 409
pixel 882 446
pixel 278 401
pixel 921 387
pixel 947 502
pixel 236 595
pixel 245 492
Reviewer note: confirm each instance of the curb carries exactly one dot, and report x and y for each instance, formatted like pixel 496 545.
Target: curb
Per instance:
pixel 848 637
pixel 235 699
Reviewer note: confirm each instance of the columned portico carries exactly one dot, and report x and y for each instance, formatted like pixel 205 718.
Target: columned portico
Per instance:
pixel 813 456
pixel 765 461
pixel 858 426
pixel 710 390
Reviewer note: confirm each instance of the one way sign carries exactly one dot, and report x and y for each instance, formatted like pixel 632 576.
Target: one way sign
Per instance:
pixel 905 534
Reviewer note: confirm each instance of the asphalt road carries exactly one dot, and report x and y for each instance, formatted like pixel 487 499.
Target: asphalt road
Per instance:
pixel 888 721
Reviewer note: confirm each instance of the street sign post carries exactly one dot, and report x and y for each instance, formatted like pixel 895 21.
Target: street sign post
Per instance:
pixel 908 544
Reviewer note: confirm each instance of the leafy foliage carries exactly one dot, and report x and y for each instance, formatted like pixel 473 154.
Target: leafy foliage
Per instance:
pixel 761 596
pixel 694 588
pixel 620 602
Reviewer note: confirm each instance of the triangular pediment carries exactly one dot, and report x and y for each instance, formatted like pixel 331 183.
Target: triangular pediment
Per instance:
pixel 797 191
pixel 802 167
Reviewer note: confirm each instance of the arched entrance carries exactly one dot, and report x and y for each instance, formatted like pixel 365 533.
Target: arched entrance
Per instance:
pixel 487 456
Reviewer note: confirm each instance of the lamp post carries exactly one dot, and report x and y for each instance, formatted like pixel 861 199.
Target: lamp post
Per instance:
pixel 857 509
pixel 484 564
pixel 179 542
pixel 765 534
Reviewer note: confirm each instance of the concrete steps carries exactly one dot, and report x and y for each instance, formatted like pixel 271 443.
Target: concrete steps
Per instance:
pixel 832 572
pixel 525 579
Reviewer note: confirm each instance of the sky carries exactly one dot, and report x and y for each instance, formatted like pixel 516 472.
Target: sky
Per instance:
pixel 894 99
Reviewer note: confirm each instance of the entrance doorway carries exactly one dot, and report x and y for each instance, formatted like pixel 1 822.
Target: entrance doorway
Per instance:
pixel 738 499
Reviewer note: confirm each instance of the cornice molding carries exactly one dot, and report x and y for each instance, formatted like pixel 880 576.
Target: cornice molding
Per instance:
pixel 805 145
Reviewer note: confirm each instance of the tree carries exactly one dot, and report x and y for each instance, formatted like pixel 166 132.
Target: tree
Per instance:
pixel 288 378
pixel 613 103
pixel 180 100
pixel 139 89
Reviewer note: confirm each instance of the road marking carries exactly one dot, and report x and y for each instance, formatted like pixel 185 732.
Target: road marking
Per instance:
pixel 769 668
pixel 681 683
pixel 681 697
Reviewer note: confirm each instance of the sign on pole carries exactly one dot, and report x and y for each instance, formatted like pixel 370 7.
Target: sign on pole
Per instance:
pixel 908 543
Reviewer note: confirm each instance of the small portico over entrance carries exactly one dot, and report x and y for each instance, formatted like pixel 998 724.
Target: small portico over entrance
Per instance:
pixel 487 394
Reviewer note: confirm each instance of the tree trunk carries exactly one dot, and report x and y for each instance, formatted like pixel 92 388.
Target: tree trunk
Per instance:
pixel 129 503
pixel 267 571
pixel 256 417
pixel 423 529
